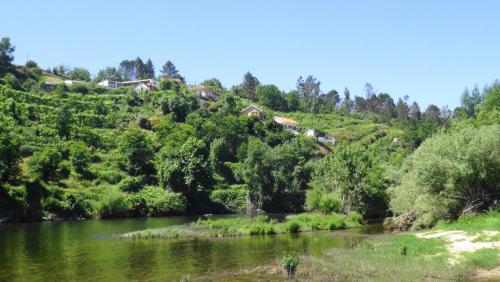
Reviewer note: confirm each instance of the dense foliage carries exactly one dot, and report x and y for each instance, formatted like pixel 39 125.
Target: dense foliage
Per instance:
pixel 82 150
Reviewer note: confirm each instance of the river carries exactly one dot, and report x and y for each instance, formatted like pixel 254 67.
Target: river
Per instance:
pixel 89 251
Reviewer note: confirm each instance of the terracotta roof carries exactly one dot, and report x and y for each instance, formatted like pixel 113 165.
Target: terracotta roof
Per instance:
pixel 199 87
pixel 287 121
pixel 252 107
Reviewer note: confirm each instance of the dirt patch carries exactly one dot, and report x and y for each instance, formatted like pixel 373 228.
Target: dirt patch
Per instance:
pixel 460 242
pixel 487 275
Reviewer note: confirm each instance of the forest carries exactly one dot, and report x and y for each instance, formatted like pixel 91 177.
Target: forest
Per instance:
pixel 85 151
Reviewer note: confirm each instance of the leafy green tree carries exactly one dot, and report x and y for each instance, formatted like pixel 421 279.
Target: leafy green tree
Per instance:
pixel 169 69
pixel 137 152
pixel 347 103
pixel 6 55
pixel 180 105
pixel 415 113
pixel 354 177
pixel 449 175
pixel 402 110
pixel 249 86
pixel 185 170
pixel 433 113
pixel 293 101
pixel 309 90
pixel 271 96
pixel 149 69
pixel 47 164
pixel 79 74
pixel 109 73
pixel 9 149
pixel 489 111
pixel 140 69
pixel 80 156
pixel 64 121
pixel 128 69
pixel 214 84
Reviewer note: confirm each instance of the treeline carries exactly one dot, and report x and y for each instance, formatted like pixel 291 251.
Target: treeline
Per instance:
pixel 86 151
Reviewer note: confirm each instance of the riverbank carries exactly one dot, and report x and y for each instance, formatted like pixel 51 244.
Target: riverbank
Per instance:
pixel 464 250
pixel 259 225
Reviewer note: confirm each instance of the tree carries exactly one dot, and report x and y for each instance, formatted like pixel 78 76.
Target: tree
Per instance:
pixel 293 101
pixel 80 156
pixel 128 69
pixel 432 113
pixel 149 69
pixel 137 152
pixel 79 74
pixel 347 102
pixel 109 73
pixel 213 84
pixel 402 110
pixel 64 121
pixel 415 113
pixel 309 90
pixel 249 86
pixel 47 165
pixel 271 96
pixel 449 175
pixel 489 111
pixel 178 104
pixel 353 176
pixel 186 169
pixel 140 69
pixel 6 55
pixel 169 69
pixel 9 149
pixel 369 91
pixel 332 97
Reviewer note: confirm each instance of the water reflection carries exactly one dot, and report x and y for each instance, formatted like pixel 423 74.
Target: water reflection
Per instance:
pixel 87 250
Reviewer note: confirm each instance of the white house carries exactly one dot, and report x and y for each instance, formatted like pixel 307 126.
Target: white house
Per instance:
pixel 109 84
pixel 205 92
pixel 149 83
pixel 288 124
pixel 311 133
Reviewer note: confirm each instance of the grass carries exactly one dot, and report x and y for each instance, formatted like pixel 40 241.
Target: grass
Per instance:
pixel 489 221
pixel 381 259
pixel 483 258
pixel 243 226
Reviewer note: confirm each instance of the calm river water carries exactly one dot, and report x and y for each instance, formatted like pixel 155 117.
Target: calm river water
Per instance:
pixel 89 251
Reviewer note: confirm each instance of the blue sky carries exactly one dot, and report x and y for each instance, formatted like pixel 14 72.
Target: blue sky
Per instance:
pixel 429 50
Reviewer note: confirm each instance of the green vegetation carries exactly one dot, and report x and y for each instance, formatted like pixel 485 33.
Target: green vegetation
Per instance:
pixel 489 221
pixel 289 262
pixel 259 225
pixel 81 150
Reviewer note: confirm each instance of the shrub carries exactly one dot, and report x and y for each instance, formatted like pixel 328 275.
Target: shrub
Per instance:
pixel 80 156
pixel 131 184
pixel 447 175
pixel 353 219
pixel 289 262
pixel 114 204
pixel 81 88
pixel 232 199
pixel 161 202
pixel 47 164
pixel 292 227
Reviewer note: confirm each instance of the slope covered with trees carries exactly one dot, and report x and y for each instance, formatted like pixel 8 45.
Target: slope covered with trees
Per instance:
pixel 83 150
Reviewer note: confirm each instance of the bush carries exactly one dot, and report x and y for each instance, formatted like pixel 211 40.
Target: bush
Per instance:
pixel 46 164
pixel 81 88
pixel 449 174
pixel 114 204
pixel 131 184
pixel 289 262
pixel 292 227
pixel 158 201
pixel 232 199
pixel 80 156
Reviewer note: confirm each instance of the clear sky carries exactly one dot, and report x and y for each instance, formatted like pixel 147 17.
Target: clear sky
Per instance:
pixel 429 50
